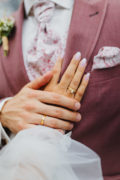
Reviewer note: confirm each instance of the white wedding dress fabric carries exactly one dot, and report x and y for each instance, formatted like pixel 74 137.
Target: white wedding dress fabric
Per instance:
pixel 42 153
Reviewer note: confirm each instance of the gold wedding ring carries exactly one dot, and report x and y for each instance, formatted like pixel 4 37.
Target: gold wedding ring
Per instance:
pixel 42 120
pixel 72 91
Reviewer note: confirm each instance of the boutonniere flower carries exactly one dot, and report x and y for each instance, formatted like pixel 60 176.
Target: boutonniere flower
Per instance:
pixel 6 26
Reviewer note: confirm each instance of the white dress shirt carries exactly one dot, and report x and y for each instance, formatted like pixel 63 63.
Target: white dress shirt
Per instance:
pixel 60 22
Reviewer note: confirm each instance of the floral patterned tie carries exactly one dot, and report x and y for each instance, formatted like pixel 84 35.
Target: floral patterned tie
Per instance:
pixel 47 45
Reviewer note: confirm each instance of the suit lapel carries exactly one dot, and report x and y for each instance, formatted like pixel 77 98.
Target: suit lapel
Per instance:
pixel 86 23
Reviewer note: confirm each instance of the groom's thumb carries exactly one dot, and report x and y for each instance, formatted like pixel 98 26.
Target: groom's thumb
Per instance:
pixel 41 81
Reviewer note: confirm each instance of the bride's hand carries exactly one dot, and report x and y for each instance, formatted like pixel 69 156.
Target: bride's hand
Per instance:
pixel 73 84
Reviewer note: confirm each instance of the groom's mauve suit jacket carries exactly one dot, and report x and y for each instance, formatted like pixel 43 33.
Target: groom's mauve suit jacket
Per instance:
pixel 94 24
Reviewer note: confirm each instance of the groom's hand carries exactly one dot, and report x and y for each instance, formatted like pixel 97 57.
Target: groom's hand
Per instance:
pixel 26 109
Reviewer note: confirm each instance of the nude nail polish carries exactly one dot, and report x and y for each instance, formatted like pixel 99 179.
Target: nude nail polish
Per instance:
pixel 77 106
pixel 77 56
pixel 78 118
pixel 87 76
pixel 83 62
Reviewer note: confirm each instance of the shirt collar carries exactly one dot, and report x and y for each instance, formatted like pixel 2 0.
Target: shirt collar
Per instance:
pixel 67 4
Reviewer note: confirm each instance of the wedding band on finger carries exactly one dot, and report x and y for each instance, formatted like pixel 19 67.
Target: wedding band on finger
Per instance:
pixel 42 120
pixel 72 91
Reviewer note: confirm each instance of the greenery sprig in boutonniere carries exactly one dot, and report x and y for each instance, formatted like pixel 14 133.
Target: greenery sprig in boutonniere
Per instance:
pixel 6 26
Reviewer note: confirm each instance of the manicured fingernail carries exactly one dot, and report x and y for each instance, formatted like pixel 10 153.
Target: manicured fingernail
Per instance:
pixel 83 62
pixel 87 76
pixel 77 56
pixel 77 106
pixel 78 117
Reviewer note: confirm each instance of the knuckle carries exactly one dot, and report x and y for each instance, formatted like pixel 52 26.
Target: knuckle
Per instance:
pixel 56 71
pixel 56 98
pixel 68 76
pixel 61 88
pixel 54 124
pixel 58 113
pixel 28 106
pixel 75 83
pixel 74 63
pixel 81 70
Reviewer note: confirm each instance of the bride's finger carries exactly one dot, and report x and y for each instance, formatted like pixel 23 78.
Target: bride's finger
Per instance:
pixel 69 74
pixel 78 76
pixel 39 82
pixel 57 71
pixel 82 88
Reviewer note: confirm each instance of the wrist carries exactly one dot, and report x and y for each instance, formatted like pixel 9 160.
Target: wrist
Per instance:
pixel 2 105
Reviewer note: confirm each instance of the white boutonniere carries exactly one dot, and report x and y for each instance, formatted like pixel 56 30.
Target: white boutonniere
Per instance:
pixel 6 26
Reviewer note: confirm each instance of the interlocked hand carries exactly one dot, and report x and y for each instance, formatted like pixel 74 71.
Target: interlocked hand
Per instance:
pixel 73 84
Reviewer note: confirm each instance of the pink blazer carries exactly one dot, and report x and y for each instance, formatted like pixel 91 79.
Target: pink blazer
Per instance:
pixel 94 24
